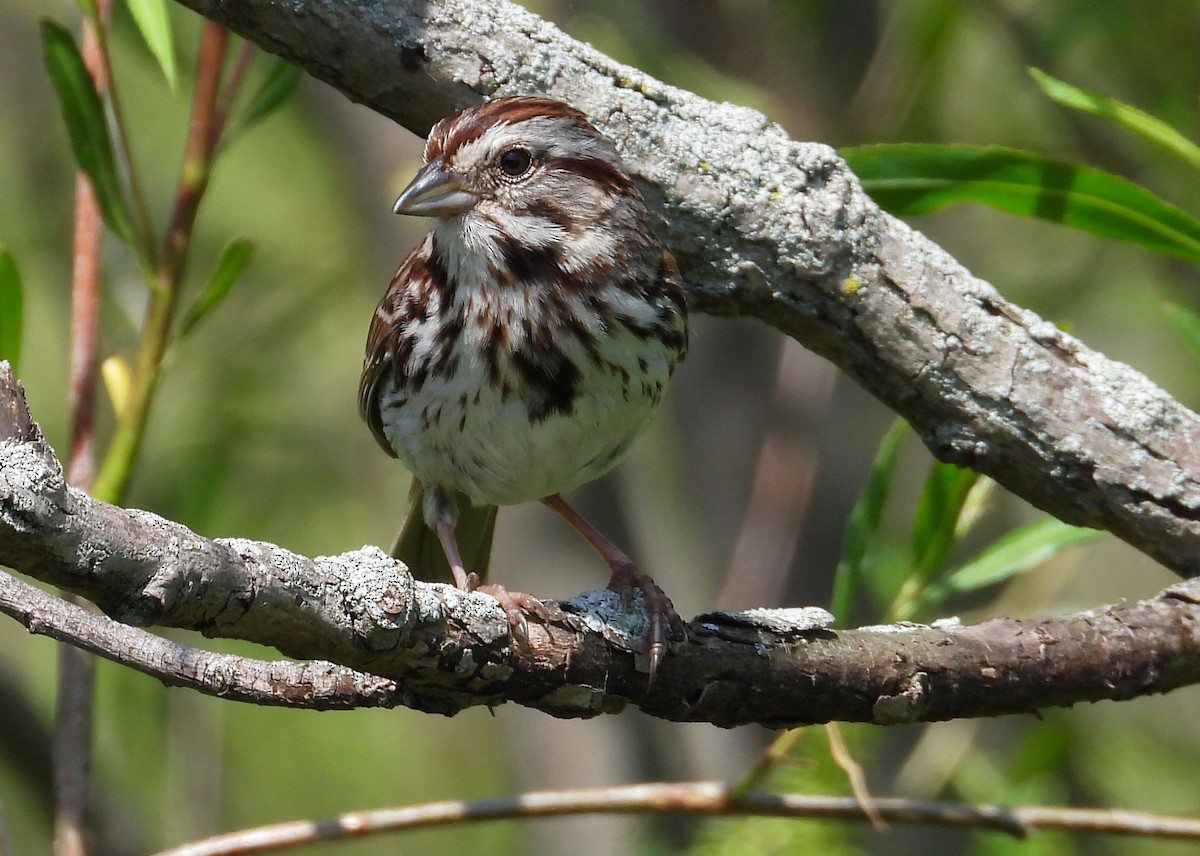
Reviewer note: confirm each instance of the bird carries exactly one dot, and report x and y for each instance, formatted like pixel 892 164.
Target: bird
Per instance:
pixel 524 344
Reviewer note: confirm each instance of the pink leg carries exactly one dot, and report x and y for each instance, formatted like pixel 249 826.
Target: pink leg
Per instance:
pixel 626 578
pixel 514 603
pixel 445 533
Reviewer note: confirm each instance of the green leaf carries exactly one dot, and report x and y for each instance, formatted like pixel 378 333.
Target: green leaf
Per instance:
pixel 151 19
pixel 915 178
pixel 862 529
pixel 1013 553
pixel 279 83
pixel 11 310
pixel 229 267
pixel 1186 324
pixel 936 518
pixel 1131 118
pixel 86 125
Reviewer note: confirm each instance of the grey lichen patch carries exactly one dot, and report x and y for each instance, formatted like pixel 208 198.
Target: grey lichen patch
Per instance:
pixel 377 596
pixel 25 478
pixel 784 622
pixel 603 612
pixel 479 614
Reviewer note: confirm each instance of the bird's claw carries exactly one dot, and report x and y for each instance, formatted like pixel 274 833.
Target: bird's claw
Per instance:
pixel 516 605
pixel 661 616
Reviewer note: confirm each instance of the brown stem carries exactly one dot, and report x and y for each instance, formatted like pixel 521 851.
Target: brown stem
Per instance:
pixel 85 308
pixel 72 750
pixel 76 669
pixel 237 75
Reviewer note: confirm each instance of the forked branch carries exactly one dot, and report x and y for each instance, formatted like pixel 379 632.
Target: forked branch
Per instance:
pixel 438 649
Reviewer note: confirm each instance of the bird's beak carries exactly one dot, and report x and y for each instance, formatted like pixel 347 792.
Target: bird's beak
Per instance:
pixel 435 192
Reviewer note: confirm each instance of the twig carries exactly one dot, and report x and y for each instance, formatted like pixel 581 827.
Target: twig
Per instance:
pixel 75 680
pixel 854 773
pixel 72 750
pixel 776 752
pixel 233 85
pixel 703 798
pixel 315 685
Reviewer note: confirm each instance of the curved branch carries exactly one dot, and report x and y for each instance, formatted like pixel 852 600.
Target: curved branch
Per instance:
pixel 447 650
pixel 765 226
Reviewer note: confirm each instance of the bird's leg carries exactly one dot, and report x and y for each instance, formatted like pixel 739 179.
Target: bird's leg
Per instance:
pixel 514 603
pixel 462 579
pixel 626 578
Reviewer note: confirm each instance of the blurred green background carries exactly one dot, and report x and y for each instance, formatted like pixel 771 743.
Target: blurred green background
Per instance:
pixel 255 433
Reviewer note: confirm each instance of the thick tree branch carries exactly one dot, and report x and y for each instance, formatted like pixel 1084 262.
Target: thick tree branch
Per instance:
pixel 446 650
pixel 781 230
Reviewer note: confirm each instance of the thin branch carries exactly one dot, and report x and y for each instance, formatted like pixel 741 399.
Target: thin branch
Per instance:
pixel 85 312
pixel 72 749
pixel 702 798
pixel 764 226
pixel 231 89
pixel 450 650
pixel 75 679
pixel 840 752
pixel 315 685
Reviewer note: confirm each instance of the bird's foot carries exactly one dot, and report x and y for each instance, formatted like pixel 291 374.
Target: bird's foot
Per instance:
pixel 661 616
pixel 516 605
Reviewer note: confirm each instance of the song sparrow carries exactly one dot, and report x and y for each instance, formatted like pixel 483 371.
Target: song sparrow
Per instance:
pixel 525 343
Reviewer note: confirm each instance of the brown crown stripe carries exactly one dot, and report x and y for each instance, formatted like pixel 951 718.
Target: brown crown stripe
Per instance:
pixel 458 129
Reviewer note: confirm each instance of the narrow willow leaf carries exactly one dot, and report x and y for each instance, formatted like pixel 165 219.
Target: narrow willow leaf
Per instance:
pixel 913 178
pixel 12 310
pixel 1131 118
pixel 1018 551
pixel 862 529
pixel 229 267
pixel 151 19
pixel 975 505
pixel 280 82
pixel 86 125
pixel 936 518
pixel 1186 324
pixel 118 382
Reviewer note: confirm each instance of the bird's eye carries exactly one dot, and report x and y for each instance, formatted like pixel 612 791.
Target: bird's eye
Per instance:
pixel 515 162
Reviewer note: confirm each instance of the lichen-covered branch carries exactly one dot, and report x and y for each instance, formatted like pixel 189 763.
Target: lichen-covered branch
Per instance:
pixel 781 230
pixel 438 649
